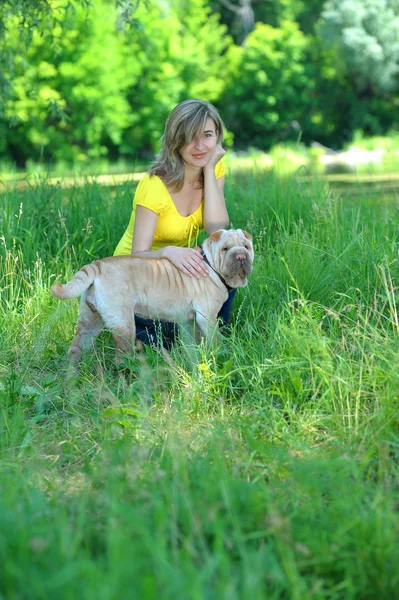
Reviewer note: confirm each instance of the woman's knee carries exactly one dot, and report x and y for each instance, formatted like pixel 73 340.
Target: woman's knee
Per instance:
pixel 224 313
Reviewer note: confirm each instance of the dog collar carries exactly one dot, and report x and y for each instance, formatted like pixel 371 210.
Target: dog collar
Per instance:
pixel 204 256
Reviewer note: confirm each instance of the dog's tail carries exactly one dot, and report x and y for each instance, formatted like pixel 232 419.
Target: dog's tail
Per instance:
pixel 81 281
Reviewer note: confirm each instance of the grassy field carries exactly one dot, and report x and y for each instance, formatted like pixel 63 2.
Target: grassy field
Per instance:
pixel 267 469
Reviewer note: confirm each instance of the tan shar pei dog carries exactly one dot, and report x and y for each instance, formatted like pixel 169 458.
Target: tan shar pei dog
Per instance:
pixel 114 289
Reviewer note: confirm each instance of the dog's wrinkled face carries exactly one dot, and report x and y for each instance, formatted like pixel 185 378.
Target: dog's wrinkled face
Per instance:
pixel 232 255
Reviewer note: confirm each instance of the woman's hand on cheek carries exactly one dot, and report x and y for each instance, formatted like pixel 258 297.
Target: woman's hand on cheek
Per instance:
pixel 217 153
pixel 187 260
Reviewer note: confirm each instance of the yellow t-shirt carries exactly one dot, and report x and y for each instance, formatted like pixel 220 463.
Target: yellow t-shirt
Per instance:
pixel 172 228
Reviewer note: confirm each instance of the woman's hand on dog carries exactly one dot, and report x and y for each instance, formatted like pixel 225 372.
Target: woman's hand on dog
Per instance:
pixel 187 260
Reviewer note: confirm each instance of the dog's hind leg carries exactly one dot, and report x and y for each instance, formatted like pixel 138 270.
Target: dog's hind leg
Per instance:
pixel 208 326
pixel 122 326
pixel 124 338
pixel 88 327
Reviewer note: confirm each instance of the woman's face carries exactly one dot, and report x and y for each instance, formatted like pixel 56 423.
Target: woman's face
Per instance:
pixel 198 152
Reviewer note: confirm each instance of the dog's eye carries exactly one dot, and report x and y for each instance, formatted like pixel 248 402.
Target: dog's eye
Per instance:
pixel 225 249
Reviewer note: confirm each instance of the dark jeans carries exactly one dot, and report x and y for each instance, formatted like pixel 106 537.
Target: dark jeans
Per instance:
pixel 148 331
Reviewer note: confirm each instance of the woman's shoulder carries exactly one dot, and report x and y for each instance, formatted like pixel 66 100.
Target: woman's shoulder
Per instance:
pixel 149 180
pixel 150 183
pixel 151 193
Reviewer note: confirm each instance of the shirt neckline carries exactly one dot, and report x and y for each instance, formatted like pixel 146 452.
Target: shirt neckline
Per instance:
pixel 174 205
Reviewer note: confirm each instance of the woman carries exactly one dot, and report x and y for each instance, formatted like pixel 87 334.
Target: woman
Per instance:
pixel 181 195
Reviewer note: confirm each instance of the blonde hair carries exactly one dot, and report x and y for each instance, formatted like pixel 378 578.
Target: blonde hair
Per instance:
pixel 185 121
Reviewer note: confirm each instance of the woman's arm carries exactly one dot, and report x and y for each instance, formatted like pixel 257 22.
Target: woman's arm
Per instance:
pixel 188 260
pixel 143 233
pixel 215 212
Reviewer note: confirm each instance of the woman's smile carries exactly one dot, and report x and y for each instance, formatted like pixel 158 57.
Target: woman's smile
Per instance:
pixel 201 146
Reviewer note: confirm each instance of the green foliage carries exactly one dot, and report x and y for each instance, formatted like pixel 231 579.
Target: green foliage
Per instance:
pixel 86 81
pixel 365 34
pixel 68 104
pixel 356 79
pixel 103 89
pixel 30 17
pixel 173 54
pixel 272 66
pixel 239 15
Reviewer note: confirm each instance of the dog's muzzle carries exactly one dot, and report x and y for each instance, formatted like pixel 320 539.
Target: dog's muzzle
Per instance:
pixel 238 262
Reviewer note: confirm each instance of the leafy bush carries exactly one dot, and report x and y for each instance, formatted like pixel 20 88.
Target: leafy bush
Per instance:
pixel 103 91
pixel 267 80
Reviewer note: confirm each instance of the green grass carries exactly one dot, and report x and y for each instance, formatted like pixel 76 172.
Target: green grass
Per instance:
pixel 287 158
pixel 269 472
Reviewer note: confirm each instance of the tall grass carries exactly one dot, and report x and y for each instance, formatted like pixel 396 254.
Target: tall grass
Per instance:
pixel 265 469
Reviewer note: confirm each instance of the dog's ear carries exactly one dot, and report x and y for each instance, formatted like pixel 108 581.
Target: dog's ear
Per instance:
pixel 216 235
pixel 247 235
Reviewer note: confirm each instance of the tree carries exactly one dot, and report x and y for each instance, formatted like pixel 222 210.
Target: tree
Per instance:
pixel 365 36
pixel 240 16
pixel 267 89
pixel 175 52
pixel 105 89
pixel 67 101
pixel 25 18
